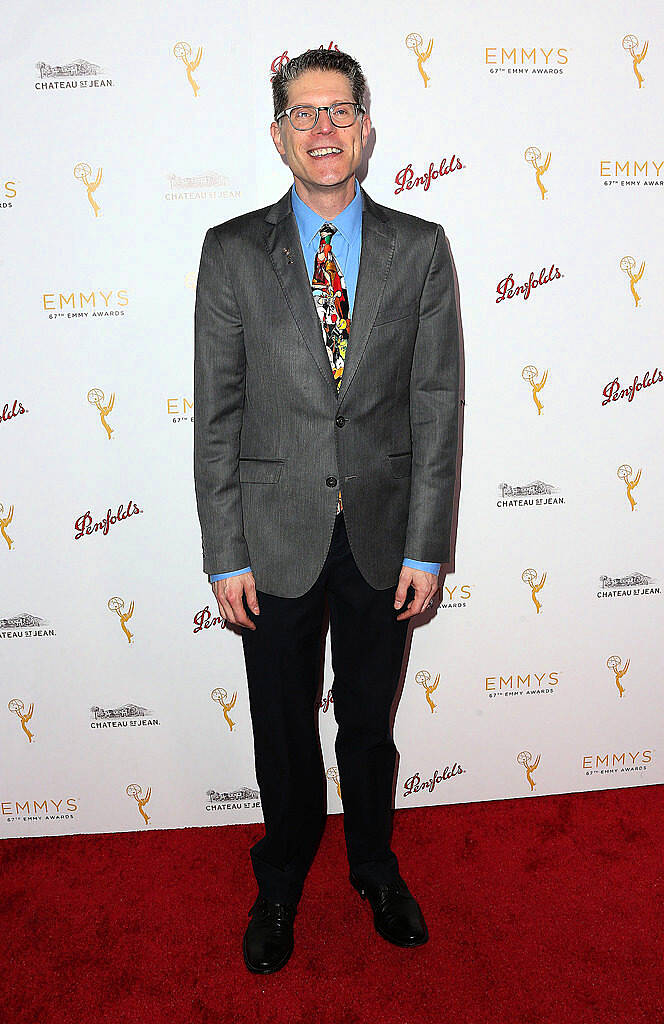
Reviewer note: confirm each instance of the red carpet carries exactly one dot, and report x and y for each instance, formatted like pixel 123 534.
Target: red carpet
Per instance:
pixel 541 911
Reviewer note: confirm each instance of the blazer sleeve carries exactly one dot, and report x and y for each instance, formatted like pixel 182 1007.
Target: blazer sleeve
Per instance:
pixel 219 377
pixel 434 412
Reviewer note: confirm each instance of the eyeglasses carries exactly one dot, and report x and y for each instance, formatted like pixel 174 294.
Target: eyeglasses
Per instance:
pixel 305 117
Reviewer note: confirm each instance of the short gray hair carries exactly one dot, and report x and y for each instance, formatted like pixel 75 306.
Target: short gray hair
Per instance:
pixel 317 60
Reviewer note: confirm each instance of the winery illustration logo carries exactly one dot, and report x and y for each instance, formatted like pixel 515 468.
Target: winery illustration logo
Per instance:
pixel 24 625
pixel 614 762
pixel 116 604
pixel 529 374
pixel 533 156
pixel 17 707
pixel 537 492
pixel 415 43
pixel 237 800
pixel 624 473
pixel 29 810
pixel 183 52
pixel 423 679
pixel 627 265
pixel 83 173
pixel 634 584
pixel 206 620
pixel 5 520
pixel 220 695
pixel 135 791
pixel 631 45
pixel 209 185
pixel 332 775
pixel 78 74
pixel 525 759
pixel 124 717
pixel 519 60
pixel 415 784
pixel 619 670
pixel 96 398
pixel 529 576
pixel 516 685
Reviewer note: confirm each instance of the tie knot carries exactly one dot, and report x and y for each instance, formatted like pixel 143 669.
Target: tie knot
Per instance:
pixel 327 230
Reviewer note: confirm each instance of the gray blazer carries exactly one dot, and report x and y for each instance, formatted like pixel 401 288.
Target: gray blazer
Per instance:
pixel 273 442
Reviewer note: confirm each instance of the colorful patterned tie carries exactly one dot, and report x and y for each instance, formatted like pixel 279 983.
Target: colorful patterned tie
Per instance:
pixel 331 298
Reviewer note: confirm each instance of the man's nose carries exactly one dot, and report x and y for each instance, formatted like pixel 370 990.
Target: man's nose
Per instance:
pixel 324 123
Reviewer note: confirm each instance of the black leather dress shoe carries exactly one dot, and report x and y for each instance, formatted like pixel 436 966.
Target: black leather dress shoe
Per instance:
pixel 397 915
pixel 268 940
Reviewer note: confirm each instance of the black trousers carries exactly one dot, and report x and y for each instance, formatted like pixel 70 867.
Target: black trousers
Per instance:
pixel 283 659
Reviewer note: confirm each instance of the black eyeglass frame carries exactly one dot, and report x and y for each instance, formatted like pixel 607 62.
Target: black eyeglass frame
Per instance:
pixel 357 107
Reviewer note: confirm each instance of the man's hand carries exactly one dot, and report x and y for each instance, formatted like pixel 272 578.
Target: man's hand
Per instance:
pixel 229 593
pixel 425 585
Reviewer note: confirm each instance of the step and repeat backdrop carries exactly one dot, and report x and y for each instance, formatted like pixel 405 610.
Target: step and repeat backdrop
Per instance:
pixel 533 135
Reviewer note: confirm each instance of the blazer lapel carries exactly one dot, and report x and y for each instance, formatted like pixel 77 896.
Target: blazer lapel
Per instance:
pixel 378 244
pixel 283 245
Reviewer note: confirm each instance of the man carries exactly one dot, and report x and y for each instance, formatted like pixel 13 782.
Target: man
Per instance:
pixel 325 437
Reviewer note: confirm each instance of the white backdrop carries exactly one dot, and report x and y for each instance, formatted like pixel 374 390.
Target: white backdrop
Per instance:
pixel 101 734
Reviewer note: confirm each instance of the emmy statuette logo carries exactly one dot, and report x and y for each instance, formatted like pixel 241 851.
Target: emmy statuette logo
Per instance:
pixel 135 791
pixel 332 775
pixel 415 43
pixel 619 670
pixel 83 173
pixel 5 520
pixel 533 156
pixel 423 678
pixel 17 707
pixel 625 474
pixel 529 576
pixel 627 265
pixel 525 758
pixel 221 697
pixel 529 374
pixel 116 604
pixel 630 44
pixel 183 52
pixel 96 398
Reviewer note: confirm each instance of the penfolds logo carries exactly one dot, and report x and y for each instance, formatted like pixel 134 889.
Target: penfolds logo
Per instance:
pixel 406 178
pixel 325 701
pixel 8 413
pixel 84 525
pixel 205 620
pixel 415 785
pixel 283 58
pixel 507 288
pixel 613 391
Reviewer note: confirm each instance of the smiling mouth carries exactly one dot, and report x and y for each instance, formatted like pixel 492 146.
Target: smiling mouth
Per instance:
pixel 327 151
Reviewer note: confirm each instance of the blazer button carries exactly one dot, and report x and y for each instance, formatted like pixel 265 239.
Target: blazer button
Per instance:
pixel 340 420
pixel 331 481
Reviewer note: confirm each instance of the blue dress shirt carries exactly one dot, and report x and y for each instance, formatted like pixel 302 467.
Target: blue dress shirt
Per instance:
pixel 347 247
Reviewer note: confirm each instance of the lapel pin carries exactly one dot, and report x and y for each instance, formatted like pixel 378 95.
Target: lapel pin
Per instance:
pixel 287 253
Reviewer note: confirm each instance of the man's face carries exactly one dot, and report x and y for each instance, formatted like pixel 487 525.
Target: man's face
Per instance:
pixel 324 156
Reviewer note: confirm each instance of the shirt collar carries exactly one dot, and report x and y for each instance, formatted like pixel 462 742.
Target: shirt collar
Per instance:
pixel 348 222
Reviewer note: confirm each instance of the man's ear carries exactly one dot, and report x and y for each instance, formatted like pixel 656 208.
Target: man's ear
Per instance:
pixel 275 132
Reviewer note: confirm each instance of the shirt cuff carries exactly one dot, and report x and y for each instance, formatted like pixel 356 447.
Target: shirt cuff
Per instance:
pixel 433 567
pixel 224 575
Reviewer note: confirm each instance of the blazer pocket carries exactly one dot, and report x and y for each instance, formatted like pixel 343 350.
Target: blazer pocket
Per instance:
pixel 400 463
pixel 394 315
pixel 260 471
